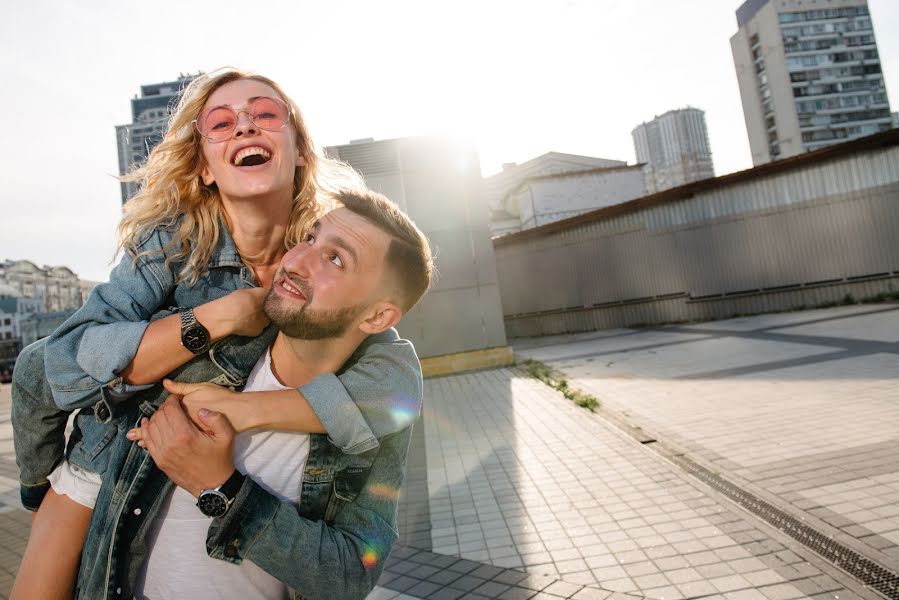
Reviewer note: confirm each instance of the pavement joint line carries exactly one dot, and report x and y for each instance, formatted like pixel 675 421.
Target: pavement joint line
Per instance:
pixel 775 365
pixel 701 338
pixel 861 313
pixel 469 573
pixel 851 344
pixel 674 454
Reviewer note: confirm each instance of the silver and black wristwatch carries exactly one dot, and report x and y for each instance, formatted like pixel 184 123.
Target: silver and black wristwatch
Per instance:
pixel 194 336
pixel 215 503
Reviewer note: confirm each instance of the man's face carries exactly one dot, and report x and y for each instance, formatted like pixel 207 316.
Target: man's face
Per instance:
pixel 327 283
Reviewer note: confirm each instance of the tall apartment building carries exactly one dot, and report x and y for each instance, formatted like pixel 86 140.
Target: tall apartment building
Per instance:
pixel 675 149
pixel 809 75
pixel 437 181
pixel 149 113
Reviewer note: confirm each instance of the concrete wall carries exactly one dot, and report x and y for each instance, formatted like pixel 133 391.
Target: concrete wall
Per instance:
pixel 438 183
pixel 556 198
pixel 799 236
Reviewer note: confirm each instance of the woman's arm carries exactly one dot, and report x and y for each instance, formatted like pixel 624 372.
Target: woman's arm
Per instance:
pixel 285 410
pixel 377 393
pixel 160 351
pixel 110 348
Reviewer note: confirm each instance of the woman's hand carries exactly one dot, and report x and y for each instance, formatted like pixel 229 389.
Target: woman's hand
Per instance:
pixel 238 313
pixel 209 396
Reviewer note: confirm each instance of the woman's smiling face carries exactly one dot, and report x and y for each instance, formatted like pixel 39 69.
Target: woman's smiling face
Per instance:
pixel 253 161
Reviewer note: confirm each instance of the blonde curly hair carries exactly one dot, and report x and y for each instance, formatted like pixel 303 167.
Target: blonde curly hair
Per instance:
pixel 171 188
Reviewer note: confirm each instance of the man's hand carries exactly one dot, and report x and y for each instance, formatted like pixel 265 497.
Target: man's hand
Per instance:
pixel 195 460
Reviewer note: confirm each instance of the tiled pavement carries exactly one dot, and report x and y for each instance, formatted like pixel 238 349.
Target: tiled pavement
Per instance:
pixel 803 407
pixel 513 492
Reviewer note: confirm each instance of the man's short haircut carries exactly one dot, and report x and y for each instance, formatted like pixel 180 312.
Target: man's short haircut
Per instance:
pixel 409 254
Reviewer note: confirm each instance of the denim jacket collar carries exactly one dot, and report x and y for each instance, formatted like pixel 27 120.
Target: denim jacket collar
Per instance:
pixel 226 254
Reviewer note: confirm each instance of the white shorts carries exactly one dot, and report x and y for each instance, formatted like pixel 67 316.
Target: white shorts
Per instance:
pixel 78 484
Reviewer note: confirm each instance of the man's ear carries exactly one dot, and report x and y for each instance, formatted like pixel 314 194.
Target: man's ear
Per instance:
pixel 381 317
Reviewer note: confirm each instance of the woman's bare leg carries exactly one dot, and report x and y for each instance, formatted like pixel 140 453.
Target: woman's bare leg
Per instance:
pixel 50 564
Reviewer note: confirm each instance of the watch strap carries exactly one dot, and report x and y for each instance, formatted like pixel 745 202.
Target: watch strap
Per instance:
pixel 232 485
pixel 188 318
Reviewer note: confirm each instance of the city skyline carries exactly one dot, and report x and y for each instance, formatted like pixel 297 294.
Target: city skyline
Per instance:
pixel 520 80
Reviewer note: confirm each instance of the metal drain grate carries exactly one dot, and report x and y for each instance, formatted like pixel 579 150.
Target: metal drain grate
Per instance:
pixel 865 570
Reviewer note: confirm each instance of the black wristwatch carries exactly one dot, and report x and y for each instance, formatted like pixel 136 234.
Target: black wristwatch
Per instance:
pixel 194 336
pixel 215 503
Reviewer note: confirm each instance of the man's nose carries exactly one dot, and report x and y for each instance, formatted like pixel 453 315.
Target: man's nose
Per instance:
pixel 299 260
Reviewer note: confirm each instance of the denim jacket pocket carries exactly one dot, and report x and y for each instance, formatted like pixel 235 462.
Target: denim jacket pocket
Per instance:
pixel 346 486
pixel 90 437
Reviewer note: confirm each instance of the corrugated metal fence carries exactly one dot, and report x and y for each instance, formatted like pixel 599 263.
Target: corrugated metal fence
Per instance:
pixel 799 236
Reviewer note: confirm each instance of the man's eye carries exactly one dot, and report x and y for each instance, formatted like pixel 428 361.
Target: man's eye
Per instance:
pixel 309 239
pixel 336 260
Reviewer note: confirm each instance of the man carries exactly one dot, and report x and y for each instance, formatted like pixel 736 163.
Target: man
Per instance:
pixel 272 510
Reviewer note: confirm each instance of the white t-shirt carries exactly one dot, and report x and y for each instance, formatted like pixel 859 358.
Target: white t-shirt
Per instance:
pixel 178 566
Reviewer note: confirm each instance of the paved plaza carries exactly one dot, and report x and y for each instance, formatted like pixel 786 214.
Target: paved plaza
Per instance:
pixel 733 459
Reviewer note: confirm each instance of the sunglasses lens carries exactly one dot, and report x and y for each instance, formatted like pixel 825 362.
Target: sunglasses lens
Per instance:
pixel 218 123
pixel 268 113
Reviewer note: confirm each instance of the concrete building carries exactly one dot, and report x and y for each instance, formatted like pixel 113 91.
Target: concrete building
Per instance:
pixel 504 189
pixel 543 199
pixel 57 288
pixel 815 229
pixel 675 149
pixel 8 324
pixel 150 113
pixel 13 310
pixel 437 181
pixel 809 75
pixel 38 326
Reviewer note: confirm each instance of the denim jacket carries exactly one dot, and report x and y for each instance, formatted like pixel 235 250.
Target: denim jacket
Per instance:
pixel 79 366
pixel 332 545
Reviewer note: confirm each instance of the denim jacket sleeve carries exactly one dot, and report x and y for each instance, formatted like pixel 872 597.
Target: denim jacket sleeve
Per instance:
pixel 378 393
pixel 88 351
pixel 340 559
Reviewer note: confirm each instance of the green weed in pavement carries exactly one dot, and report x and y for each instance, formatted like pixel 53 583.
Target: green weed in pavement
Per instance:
pixel 543 372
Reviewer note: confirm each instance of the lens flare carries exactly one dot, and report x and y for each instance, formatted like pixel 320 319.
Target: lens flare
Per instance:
pixel 369 558
pixel 404 410
pixel 386 492
pixel 403 417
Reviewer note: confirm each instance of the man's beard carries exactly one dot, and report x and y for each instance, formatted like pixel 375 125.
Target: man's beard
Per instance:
pixel 307 323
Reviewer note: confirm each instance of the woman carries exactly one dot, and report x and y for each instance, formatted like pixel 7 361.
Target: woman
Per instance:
pixel 234 183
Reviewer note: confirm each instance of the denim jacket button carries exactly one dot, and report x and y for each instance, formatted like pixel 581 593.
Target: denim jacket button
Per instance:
pixel 231 549
pixel 102 412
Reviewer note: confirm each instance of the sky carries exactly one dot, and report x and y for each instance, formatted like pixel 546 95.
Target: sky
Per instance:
pixel 521 78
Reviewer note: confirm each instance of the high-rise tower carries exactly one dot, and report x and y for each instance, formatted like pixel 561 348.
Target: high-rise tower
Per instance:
pixel 809 75
pixel 675 149
pixel 149 113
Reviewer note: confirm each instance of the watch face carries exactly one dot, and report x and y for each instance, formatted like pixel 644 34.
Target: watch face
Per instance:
pixel 195 338
pixel 212 503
